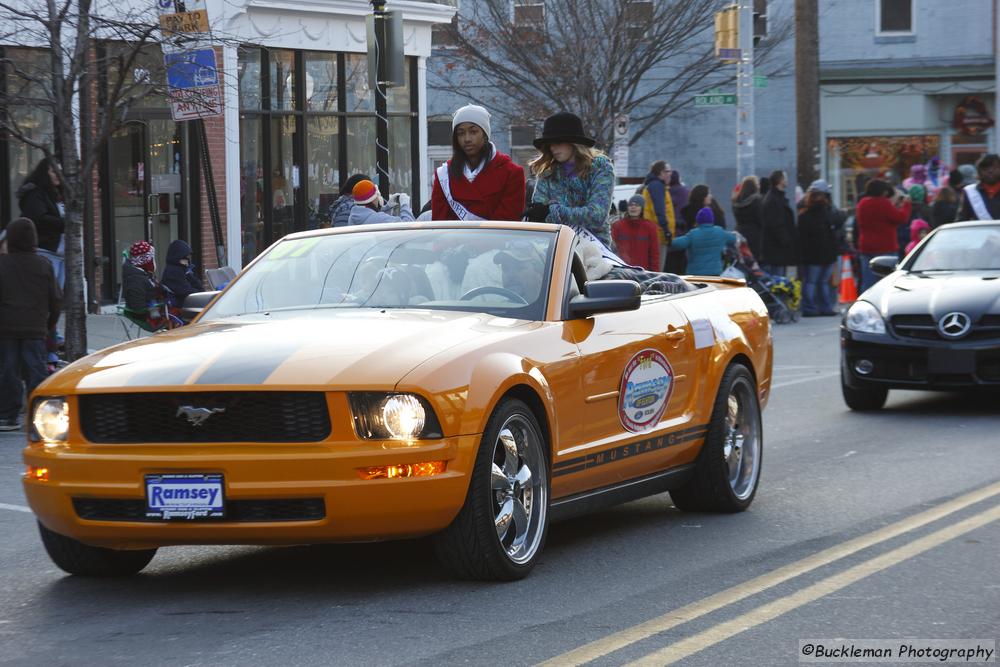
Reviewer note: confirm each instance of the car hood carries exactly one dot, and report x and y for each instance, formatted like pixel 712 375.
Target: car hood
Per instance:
pixel 308 349
pixel 903 293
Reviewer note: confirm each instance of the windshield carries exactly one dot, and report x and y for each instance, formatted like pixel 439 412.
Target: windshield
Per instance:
pixel 960 249
pixel 501 272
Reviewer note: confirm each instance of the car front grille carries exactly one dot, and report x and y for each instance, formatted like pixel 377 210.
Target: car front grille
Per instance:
pixel 234 417
pixel 923 327
pixel 237 511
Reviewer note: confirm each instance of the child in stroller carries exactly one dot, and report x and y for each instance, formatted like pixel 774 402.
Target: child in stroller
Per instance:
pixel 781 295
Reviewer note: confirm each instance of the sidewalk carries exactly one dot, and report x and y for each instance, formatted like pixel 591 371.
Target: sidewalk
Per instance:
pixel 107 330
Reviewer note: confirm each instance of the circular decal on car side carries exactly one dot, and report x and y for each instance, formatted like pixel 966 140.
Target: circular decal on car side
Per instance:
pixel 646 386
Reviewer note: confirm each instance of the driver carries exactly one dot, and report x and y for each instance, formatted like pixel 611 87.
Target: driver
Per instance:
pixel 522 269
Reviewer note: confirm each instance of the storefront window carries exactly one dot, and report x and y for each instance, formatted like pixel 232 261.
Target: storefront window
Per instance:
pixel 323 140
pixel 249 74
pixel 321 81
pixel 251 187
pixel 28 112
pixel 314 127
pixel 282 75
pixel 359 95
pixel 853 161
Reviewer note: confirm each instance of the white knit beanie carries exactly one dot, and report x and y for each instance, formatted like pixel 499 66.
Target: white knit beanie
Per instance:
pixel 472 113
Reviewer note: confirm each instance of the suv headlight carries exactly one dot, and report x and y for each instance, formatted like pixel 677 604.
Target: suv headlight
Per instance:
pixel 50 420
pixel 392 416
pixel 863 317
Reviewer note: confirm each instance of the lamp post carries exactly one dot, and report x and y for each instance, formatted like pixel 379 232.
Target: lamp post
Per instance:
pixel 381 118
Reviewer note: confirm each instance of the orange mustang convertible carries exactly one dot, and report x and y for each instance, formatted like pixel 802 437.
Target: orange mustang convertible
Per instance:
pixel 390 381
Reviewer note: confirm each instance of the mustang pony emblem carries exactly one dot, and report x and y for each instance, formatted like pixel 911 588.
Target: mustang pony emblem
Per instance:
pixel 197 416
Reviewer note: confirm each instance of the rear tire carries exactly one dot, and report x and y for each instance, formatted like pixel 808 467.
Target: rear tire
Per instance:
pixel 82 559
pixel 501 528
pixel 864 399
pixel 727 470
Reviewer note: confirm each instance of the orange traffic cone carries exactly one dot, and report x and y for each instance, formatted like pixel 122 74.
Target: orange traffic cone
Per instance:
pixel 848 288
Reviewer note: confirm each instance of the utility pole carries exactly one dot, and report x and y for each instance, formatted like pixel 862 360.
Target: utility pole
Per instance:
pixel 807 91
pixel 381 116
pixel 744 92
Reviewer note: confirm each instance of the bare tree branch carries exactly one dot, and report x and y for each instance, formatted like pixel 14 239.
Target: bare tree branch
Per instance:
pixel 598 58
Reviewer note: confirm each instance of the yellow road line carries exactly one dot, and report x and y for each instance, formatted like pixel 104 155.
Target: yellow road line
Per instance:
pixel 623 638
pixel 768 612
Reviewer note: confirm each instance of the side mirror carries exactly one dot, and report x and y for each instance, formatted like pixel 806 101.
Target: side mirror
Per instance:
pixel 606 296
pixel 883 265
pixel 194 304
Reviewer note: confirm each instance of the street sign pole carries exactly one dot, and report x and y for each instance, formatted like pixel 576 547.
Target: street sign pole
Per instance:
pixel 381 116
pixel 744 93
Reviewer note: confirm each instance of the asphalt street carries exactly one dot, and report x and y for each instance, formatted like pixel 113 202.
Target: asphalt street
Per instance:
pixel 866 526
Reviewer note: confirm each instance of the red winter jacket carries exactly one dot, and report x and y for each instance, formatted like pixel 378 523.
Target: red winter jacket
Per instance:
pixel 876 220
pixel 637 242
pixel 496 194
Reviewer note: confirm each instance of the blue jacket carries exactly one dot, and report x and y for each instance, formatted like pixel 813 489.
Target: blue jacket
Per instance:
pixel 362 215
pixel 704 245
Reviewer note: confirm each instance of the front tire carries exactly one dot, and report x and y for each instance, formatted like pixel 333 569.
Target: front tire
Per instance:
pixel 75 557
pixel 727 470
pixel 501 528
pixel 863 399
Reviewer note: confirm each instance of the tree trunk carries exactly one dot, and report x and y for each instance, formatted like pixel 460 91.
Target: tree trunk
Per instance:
pixel 807 90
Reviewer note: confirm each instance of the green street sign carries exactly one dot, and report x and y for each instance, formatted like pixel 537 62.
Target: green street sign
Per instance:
pixel 759 81
pixel 715 100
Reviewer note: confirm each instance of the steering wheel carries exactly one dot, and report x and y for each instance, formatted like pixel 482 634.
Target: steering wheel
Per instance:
pixel 491 289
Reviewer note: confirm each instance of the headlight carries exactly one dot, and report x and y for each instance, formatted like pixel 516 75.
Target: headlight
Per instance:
pixel 50 420
pixel 863 317
pixel 382 416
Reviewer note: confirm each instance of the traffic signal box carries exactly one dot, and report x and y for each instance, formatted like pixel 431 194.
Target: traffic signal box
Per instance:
pixel 727 30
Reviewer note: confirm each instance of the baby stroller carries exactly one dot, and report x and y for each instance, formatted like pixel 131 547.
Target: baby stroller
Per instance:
pixel 782 296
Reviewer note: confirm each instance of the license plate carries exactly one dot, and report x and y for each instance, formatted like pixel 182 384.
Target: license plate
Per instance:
pixel 961 362
pixel 187 497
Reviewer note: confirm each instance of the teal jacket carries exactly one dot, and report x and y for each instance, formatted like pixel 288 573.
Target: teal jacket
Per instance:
pixel 704 245
pixel 575 201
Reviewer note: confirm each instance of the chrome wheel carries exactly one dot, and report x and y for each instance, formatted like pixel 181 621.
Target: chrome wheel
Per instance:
pixel 518 488
pixel 741 444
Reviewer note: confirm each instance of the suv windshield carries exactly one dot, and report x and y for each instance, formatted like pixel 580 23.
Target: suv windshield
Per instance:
pixel 501 272
pixel 960 249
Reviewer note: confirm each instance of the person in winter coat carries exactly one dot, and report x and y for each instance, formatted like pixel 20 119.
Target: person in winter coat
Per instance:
pixel 699 198
pixel 30 300
pixel 41 202
pixel 340 210
pixel 879 212
pixel 779 245
pixel 574 182
pixel 945 207
pixel 981 201
pixel 704 244
pixel 748 208
pixel 918 209
pixel 179 275
pixel 679 192
pixel 919 228
pixel 369 208
pixel 658 203
pixel 478 182
pixel 818 254
pixel 139 287
pixel 636 238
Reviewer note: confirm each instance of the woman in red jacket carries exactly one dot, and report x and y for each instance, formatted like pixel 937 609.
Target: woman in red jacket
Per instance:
pixel 478 182
pixel 878 214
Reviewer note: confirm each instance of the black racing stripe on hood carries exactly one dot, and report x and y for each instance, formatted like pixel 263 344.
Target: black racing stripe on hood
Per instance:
pixel 248 363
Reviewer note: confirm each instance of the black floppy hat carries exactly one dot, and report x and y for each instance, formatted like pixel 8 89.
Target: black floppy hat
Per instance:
pixel 563 128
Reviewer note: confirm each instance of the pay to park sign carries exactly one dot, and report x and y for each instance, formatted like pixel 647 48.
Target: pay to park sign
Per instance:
pixel 189 60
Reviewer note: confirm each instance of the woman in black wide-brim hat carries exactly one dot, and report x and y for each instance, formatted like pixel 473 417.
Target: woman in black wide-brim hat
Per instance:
pixel 575 181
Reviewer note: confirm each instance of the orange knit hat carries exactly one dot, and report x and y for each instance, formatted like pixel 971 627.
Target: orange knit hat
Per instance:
pixel 364 192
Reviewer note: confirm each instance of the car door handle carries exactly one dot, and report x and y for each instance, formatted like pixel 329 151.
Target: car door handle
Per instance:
pixel 676 335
